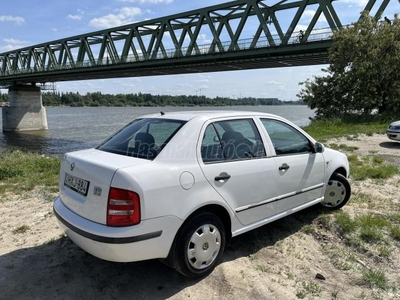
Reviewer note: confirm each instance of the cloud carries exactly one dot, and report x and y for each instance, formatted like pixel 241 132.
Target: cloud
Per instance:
pixel 12 44
pixel 309 14
pixel 184 85
pixel 273 82
pixel 147 1
pixel 205 39
pixel 122 16
pixel 17 20
pixel 356 2
pixel 13 41
pixel 77 16
pixel 74 17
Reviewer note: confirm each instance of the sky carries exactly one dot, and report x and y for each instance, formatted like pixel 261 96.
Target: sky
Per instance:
pixel 25 23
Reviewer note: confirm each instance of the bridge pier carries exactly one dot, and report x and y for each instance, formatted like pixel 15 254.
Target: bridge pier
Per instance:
pixel 26 111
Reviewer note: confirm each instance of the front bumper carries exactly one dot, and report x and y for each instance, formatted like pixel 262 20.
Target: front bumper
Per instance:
pixel 148 240
pixel 393 135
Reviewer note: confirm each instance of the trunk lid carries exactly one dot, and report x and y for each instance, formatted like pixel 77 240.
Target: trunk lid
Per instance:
pixel 85 179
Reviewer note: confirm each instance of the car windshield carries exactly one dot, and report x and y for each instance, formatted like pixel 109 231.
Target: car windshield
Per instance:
pixel 143 138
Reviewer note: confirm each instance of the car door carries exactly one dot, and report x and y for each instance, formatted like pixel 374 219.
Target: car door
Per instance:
pixel 233 159
pixel 300 172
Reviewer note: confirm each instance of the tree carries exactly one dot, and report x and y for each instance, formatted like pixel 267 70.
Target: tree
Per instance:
pixel 364 71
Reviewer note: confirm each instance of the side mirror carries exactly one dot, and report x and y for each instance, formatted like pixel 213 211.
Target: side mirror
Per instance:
pixel 319 148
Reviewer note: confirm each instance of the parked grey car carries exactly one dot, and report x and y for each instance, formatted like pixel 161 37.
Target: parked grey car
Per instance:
pixel 393 131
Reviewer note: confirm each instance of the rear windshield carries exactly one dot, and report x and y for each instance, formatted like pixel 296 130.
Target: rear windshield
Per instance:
pixel 143 138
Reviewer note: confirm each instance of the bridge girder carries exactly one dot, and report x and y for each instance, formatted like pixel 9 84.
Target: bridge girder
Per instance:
pixel 241 31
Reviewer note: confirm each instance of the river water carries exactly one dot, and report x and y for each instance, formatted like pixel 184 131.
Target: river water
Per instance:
pixel 74 128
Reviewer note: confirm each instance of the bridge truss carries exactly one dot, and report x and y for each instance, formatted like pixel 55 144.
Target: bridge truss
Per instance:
pixel 242 34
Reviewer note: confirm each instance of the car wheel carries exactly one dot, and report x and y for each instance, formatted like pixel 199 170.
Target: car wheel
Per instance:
pixel 337 192
pixel 199 246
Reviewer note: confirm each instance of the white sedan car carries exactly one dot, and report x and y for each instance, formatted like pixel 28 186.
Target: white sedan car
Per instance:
pixel 178 186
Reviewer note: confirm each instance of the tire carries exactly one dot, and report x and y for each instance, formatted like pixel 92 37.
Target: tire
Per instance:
pixel 199 245
pixel 337 192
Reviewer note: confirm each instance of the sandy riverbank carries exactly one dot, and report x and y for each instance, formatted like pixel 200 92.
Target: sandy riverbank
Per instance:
pixel 277 261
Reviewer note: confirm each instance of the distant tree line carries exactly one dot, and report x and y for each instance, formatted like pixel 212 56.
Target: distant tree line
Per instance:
pixel 139 99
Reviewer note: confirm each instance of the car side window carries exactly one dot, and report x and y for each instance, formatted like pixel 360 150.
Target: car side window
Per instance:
pixel 211 149
pixel 232 140
pixel 285 138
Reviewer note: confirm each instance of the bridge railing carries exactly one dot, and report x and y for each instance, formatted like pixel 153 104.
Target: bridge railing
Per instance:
pixel 316 35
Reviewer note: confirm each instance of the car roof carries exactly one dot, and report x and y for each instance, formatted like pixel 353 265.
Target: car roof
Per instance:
pixel 188 115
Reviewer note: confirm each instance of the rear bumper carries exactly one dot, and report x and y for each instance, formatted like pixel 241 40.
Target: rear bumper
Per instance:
pixel 148 240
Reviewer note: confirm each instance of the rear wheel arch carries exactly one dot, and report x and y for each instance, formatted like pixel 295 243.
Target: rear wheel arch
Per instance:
pixel 219 211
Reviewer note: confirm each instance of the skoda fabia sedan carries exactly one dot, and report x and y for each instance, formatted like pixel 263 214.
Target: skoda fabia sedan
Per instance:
pixel 178 186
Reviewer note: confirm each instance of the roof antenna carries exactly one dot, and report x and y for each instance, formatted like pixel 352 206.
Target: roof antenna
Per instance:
pixel 162 113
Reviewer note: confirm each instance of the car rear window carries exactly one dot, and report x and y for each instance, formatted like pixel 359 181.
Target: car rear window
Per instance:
pixel 143 138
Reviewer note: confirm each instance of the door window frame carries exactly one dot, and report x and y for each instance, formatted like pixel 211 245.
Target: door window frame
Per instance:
pixel 310 143
pixel 255 126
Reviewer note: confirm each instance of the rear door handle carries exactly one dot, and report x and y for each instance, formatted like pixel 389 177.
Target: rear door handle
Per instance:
pixel 222 176
pixel 284 167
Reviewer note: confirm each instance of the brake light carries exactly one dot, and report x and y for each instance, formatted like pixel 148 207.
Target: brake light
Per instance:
pixel 123 208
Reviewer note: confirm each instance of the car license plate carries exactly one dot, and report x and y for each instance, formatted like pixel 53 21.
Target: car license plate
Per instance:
pixel 76 184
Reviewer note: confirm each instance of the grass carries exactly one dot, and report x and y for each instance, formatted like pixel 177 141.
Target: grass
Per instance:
pixel 308 229
pixel 335 294
pixel 346 224
pixel 20 172
pixel 370 227
pixel 324 220
pixel 21 229
pixel 373 221
pixel 376 279
pixel 395 232
pixel 351 127
pixel 341 265
pixel 360 198
pixel 371 234
pixel 385 252
pixel 370 230
pixel 342 147
pixel 371 166
pixel 308 288
pixel 263 268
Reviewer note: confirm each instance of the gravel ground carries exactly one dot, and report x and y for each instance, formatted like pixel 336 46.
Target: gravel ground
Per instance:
pixel 277 261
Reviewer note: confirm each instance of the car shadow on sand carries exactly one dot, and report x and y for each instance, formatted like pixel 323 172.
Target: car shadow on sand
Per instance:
pixel 390 145
pixel 61 270
pixel 392 158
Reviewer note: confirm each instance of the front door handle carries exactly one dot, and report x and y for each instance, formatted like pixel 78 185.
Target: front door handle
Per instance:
pixel 284 167
pixel 222 176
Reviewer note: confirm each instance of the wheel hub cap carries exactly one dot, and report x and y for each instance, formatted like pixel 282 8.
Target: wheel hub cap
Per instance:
pixel 204 246
pixel 335 193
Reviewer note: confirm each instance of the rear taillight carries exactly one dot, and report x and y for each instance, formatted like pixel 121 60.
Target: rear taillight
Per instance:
pixel 123 208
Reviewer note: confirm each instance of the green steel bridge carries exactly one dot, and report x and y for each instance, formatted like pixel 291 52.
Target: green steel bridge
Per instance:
pixel 245 34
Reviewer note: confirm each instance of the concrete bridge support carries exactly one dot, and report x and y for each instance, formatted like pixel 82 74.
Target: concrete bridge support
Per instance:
pixel 26 111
